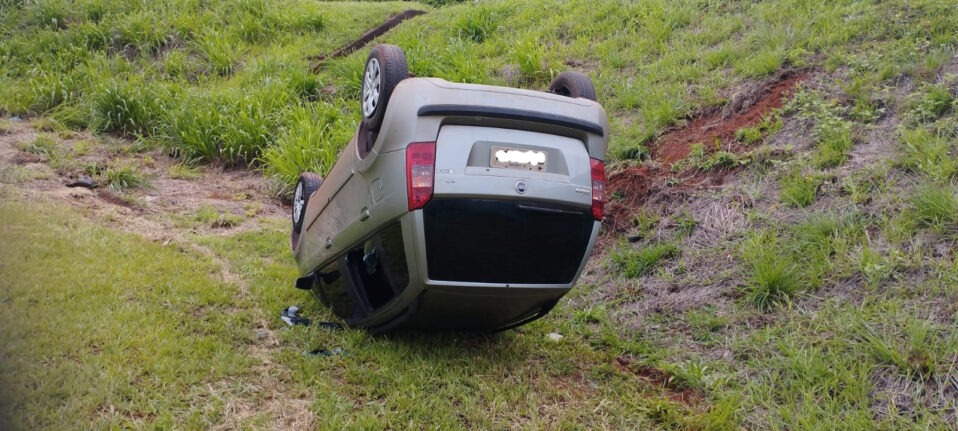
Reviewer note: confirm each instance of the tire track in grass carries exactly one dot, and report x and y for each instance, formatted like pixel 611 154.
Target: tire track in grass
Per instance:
pixel 658 182
pixel 367 37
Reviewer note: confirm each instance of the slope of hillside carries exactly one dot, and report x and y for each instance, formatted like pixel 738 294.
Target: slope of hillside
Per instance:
pixel 780 251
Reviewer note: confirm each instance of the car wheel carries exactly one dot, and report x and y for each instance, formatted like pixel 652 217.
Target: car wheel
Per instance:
pixel 385 67
pixel 307 184
pixel 573 84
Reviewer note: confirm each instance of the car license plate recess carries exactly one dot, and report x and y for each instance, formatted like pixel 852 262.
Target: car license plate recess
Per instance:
pixel 512 158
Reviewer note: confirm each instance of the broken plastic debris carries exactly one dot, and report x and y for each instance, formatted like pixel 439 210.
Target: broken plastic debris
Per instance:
pixel 291 316
pixel 326 352
pixel 333 326
pixel 83 181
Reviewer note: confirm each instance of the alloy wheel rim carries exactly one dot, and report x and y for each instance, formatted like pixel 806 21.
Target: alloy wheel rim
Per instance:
pixel 371 87
pixel 298 203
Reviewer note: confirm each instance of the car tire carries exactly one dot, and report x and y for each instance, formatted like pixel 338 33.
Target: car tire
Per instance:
pixel 385 67
pixel 574 85
pixel 307 184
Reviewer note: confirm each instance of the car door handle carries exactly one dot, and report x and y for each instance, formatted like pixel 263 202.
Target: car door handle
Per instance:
pixel 364 214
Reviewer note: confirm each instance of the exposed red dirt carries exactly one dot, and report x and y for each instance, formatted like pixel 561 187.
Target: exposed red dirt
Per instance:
pixel 662 379
pixel 636 186
pixel 368 36
pixel 720 127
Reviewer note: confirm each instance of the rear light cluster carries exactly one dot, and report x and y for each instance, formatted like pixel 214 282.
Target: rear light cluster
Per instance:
pixel 598 189
pixel 420 173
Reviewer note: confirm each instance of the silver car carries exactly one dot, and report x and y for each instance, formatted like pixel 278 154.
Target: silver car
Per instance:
pixel 455 206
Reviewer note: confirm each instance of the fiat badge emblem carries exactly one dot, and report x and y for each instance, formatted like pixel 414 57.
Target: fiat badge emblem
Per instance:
pixel 521 187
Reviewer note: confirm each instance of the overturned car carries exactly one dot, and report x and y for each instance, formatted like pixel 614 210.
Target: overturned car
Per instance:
pixel 455 206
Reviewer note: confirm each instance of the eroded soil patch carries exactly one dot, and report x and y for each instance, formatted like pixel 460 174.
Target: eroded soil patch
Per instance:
pixel 175 199
pixel 659 182
pixel 663 380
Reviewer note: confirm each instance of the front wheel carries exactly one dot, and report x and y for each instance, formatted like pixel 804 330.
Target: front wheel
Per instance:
pixel 307 184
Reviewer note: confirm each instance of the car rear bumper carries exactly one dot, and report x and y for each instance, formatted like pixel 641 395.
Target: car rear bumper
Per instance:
pixel 487 264
pixel 505 241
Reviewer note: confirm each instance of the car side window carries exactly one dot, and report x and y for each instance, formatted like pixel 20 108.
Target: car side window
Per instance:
pixel 379 266
pixel 337 291
pixel 365 139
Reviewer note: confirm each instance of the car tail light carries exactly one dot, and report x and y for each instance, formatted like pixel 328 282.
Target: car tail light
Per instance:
pixel 420 172
pixel 598 188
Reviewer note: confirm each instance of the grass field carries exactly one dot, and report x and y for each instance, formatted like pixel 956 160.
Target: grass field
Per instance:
pixel 813 286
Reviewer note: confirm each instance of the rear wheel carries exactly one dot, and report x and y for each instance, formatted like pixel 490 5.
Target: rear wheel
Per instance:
pixel 385 67
pixel 573 84
pixel 307 184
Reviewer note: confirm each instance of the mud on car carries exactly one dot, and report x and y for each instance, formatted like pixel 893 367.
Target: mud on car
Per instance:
pixel 454 206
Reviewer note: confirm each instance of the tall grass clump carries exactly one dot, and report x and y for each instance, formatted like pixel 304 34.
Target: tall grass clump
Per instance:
pixel 931 102
pixel 231 128
pixel 194 128
pixel 310 142
pixel 42 91
pixel 254 117
pixel 929 154
pixel 46 14
pixel 775 279
pixel 528 54
pixel 127 106
pixel 834 143
pixel 935 205
pixel 119 178
pixel 799 189
pixel 917 349
pixel 348 74
pixel 144 31
pixel 305 18
pixel 222 50
pixel 636 263
pixel 476 24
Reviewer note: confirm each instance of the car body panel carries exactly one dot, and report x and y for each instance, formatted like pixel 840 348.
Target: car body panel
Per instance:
pixel 363 201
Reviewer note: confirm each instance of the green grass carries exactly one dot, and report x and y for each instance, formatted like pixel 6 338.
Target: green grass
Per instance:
pixel 930 154
pixel 44 146
pixel 151 347
pixel 309 143
pixel 774 282
pixel 932 101
pixel 833 146
pixel 124 177
pixel 216 219
pixel 215 82
pixel 113 338
pixel 800 189
pixel 936 205
pixel 203 62
pixel 633 263
pixel 182 171
pixel 832 308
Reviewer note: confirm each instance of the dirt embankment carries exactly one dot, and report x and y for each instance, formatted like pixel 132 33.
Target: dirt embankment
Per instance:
pixel 367 37
pixel 173 199
pixel 657 182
